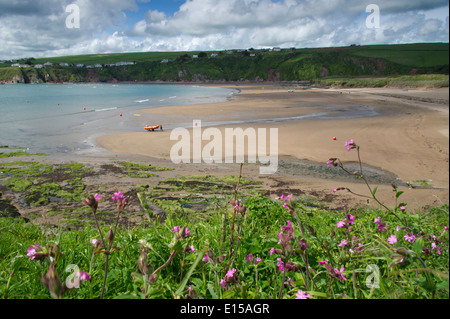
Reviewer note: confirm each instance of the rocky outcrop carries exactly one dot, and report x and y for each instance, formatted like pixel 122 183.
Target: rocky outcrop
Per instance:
pixel 7 210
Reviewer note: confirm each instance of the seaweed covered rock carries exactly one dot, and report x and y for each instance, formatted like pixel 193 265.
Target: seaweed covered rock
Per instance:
pixel 8 210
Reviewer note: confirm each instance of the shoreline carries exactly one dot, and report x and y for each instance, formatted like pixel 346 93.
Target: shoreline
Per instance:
pixel 408 138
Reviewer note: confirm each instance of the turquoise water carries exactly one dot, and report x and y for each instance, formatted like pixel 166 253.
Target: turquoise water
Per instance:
pixel 63 118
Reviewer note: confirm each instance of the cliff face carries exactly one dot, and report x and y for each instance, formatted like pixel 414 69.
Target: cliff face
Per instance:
pixel 289 65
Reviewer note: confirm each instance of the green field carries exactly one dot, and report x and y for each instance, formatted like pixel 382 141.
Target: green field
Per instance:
pixel 252 65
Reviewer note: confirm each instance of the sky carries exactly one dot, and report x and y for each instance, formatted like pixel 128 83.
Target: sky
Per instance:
pixel 49 28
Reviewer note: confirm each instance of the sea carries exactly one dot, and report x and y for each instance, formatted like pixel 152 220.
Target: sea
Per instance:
pixel 67 118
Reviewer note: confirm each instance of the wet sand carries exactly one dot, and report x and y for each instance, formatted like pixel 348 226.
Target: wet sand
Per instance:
pixel 403 133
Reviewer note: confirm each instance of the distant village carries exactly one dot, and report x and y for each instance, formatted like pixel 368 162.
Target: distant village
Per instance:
pixel 63 64
pixel 29 64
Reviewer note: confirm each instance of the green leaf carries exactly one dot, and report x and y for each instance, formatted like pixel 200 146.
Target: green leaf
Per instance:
pixel 212 291
pixel 229 294
pixel 191 270
pixel 443 285
pixel 399 194
pixel 375 191
pixel 127 296
pixel 418 246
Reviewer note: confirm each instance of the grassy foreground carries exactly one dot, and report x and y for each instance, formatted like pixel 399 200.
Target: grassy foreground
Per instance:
pixel 237 245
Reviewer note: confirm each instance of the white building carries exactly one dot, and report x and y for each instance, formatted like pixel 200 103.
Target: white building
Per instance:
pixel 64 64
pixel 38 66
pixel 48 64
pixel 80 65
pixel 165 61
pixel 124 63
pixel 98 66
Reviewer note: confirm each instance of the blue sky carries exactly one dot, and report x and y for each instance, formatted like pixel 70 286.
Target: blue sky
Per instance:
pixel 169 7
pixel 38 28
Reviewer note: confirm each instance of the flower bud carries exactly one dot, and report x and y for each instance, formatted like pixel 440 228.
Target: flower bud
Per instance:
pixel 152 279
pixel 91 201
pixel 52 282
pixel 143 264
pixel 110 236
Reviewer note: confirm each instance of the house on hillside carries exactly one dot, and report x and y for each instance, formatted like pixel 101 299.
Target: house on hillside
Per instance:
pixel 124 63
pixel 15 65
pixel 276 49
pixel 38 66
pixel 80 65
pixel 213 55
pixel 109 64
pixel 89 66
pixel 98 66
pixel 64 64
pixel 48 64
pixel 165 61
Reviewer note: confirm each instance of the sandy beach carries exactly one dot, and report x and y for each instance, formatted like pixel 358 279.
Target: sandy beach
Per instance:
pixel 402 133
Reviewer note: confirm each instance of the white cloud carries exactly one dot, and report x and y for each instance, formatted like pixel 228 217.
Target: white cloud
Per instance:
pixel 37 27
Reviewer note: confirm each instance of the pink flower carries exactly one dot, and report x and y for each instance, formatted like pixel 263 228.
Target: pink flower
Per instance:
pixel 403 208
pixel 187 232
pixel 282 197
pixel 272 251
pixel 302 295
pixel 223 283
pixel 288 228
pixel 98 197
pixel 392 240
pixel 350 145
pixel 176 229
pixel 352 219
pixel 280 264
pixel 341 224
pixel 340 273
pixel 410 237
pixel 118 196
pixel 343 243
pixel 335 191
pixel 285 206
pixel 32 251
pixel 258 260
pixel 206 258
pixel 192 249
pixel 249 258
pixel 446 228
pixel 231 273
pixel 381 227
pixel 325 262
pixel 378 220
pixel 84 276
pixel 398 228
